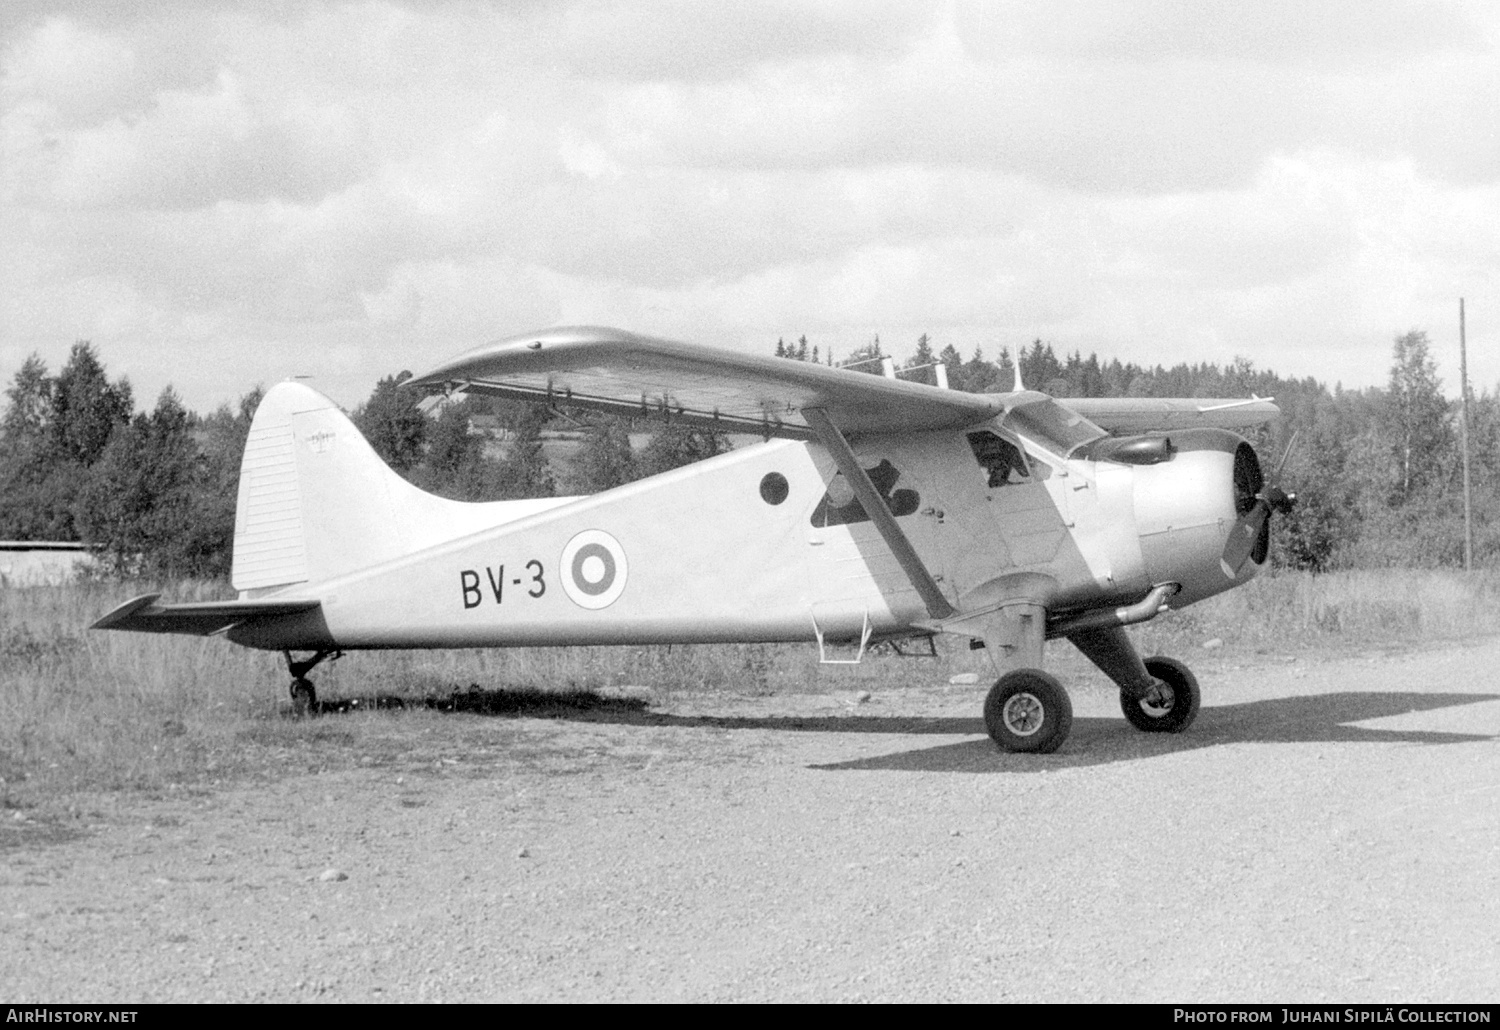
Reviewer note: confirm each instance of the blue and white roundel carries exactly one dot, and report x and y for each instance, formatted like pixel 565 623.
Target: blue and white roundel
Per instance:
pixel 593 569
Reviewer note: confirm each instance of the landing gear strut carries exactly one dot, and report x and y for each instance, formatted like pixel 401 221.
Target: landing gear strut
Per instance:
pixel 304 694
pixel 1157 695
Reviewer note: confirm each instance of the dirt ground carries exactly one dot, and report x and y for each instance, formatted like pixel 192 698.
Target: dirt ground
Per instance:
pixel 1329 830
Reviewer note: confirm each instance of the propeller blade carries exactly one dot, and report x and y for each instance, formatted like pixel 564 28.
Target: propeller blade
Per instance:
pixel 1242 538
pixel 1286 455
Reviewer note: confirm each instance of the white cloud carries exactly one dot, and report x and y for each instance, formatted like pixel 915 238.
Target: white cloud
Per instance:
pixel 195 149
pixel 1277 32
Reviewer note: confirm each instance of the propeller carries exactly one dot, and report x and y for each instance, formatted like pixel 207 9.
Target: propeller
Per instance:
pixel 1257 499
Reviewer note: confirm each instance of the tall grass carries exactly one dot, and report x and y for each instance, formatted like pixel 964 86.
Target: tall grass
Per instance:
pixel 83 710
pixel 1357 609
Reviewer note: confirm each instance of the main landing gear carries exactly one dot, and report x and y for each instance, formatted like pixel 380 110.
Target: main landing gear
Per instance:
pixel 304 694
pixel 1027 710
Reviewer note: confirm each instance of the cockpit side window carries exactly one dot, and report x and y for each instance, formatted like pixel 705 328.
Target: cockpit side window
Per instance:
pixel 1002 461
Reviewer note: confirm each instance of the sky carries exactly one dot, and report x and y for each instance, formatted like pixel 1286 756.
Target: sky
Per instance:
pixel 224 193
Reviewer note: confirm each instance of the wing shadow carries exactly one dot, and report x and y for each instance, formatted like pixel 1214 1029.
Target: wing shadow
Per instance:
pixel 1094 741
pixel 1325 718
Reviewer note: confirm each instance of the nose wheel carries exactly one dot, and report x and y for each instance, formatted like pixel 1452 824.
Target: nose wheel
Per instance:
pixel 1172 706
pixel 304 695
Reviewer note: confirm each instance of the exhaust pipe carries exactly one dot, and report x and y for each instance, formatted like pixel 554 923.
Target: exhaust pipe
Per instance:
pixel 1147 608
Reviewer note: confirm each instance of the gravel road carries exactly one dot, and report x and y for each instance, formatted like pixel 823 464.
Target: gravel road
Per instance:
pixel 1329 830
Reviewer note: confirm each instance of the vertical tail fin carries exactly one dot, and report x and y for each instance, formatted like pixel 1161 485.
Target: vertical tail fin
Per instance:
pixel 316 501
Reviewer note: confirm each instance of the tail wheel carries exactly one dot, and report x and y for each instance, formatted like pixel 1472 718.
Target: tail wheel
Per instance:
pixel 1028 710
pixel 304 696
pixel 1177 707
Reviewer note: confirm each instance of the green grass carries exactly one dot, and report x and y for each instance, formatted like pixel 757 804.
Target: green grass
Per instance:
pixel 85 711
pixel 1288 612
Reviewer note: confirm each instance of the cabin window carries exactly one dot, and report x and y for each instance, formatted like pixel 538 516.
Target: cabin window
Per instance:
pixel 839 506
pixel 774 488
pixel 1002 461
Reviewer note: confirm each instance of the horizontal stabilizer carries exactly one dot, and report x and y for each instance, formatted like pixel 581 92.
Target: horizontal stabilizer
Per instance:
pixel 201 618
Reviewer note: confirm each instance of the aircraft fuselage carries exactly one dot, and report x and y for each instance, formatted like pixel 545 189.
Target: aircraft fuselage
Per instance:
pixel 765 543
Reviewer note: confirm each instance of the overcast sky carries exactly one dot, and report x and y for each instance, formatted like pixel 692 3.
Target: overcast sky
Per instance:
pixel 220 194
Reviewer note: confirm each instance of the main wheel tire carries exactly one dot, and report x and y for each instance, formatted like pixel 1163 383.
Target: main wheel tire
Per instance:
pixel 1028 710
pixel 304 696
pixel 1181 706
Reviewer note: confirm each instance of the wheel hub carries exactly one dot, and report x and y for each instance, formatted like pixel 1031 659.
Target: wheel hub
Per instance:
pixel 1158 700
pixel 1022 714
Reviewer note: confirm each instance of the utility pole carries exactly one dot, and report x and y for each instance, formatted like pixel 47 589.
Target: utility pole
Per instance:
pixel 1463 435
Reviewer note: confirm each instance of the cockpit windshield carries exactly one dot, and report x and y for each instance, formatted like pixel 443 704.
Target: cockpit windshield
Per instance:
pixel 1052 425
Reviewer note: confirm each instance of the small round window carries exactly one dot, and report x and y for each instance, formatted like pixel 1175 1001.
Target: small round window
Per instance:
pixel 773 488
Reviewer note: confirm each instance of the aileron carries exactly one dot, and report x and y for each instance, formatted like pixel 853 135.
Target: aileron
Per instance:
pixel 1144 414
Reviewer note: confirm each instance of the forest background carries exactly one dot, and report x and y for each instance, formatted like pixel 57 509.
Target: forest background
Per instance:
pixel 1377 471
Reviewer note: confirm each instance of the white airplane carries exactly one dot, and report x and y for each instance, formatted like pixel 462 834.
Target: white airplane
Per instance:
pixel 877 509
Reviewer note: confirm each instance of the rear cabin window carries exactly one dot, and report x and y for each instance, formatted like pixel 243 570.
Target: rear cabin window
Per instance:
pixel 1002 461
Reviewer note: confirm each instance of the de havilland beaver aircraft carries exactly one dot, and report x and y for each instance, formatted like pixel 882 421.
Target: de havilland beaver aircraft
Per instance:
pixel 875 509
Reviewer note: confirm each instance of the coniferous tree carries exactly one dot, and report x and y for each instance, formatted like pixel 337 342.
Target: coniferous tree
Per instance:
pixel 393 424
pixel 25 452
pixel 28 410
pixel 86 407
pixel 54 429
pixel 674 446
pixel 865 358
pixel 981 376
pixel 455 465
pixel 141 502
pixel 921 357
pixel 605 460
pixel 524 472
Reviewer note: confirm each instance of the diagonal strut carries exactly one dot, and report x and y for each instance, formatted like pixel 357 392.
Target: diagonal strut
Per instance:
pixel 880 514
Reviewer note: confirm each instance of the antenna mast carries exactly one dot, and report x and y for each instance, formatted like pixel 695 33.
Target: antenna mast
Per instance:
pixel 1463 435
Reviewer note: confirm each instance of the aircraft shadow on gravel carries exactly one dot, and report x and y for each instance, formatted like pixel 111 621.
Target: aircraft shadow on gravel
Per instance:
pixel 1097 741
pixel 1285 720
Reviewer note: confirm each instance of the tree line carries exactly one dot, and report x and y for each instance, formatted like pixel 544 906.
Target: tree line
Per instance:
pixel 154 492
pixel 1377 471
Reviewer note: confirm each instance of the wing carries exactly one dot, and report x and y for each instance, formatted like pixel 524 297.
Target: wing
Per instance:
pixel 203 618
pixel 1142 414
pixel 639 375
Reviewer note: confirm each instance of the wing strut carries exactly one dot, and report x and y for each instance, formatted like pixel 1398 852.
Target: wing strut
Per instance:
pixel 880 514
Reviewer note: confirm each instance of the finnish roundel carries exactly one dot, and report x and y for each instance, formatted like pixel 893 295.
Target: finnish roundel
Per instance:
pixel 593 569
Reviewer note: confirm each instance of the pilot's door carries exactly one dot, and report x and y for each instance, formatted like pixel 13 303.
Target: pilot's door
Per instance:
pixel 1019 506
pixel 984 509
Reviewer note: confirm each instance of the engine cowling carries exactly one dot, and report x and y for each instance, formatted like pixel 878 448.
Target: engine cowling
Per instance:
pixel 1186 509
